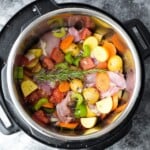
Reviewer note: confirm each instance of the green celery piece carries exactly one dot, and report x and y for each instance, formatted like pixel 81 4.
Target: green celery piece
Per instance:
pixel 39 104
pixel 76 61
pixel 80 111
pixel 59 33
pixel 86 51
pixel 18 72
pixel 62 65
pixel 77 97
pixel 49 110
pixel 69 58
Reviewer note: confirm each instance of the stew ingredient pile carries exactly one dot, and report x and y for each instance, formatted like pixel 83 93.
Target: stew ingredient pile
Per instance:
pixel 73 77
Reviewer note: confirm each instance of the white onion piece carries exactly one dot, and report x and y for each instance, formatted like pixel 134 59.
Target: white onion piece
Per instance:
pixel 30 56
pixel 90 80
pixel 75 33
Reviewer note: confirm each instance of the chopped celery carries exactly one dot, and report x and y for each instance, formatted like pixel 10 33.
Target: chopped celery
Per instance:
pixel 59 33
pixel 80 111
pixel 18 72
pixel 86 51
pixel 69 58
pixel 39 104
pixel 77 97
pixel 76 61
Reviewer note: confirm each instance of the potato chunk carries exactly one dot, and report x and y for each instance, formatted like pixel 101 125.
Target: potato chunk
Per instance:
pixel 28 87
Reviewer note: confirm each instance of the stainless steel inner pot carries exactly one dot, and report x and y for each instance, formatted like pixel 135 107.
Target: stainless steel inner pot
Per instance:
pixel 40 26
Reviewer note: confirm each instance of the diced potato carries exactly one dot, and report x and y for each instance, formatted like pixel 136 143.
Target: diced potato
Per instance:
pixel 101 23
pixel 90 113
pixel 115 100
pixel 125 96
pixel 28 87
pixel 73 48
pixel 88 122
pixel 100 53
pixel 98 36
pixel 91 41
pixel 92 130
pixel 116 117
pixel 115 63
pixel 103 31
pixel 37 68
pixel 105 105
pixel 76 85
pixel 37 52
pixel 120 94
pixel 32 63
pixel 91 95
pixel 128 60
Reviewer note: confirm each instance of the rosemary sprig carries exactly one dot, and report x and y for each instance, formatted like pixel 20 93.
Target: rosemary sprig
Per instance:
pixel 60 74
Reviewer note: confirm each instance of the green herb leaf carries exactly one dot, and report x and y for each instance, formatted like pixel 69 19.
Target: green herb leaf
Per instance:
pixel 64 74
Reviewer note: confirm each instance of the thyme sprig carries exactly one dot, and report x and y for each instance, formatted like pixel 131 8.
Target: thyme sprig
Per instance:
pixel 61 74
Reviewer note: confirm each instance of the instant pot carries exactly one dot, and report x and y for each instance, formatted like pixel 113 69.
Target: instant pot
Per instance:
pixel 27 25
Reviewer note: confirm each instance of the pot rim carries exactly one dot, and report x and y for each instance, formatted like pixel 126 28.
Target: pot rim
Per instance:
pixel 13 92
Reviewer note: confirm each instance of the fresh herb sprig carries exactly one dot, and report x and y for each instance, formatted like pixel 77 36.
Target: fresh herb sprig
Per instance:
pixel 61 74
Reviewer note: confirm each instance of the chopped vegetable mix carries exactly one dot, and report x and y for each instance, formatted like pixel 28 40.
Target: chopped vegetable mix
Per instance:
pixel 75 79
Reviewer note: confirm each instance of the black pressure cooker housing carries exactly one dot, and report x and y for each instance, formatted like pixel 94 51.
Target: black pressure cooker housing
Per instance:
pixel 14 27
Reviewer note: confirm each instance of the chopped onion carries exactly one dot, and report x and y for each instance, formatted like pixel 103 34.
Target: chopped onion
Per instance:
pixel 30 56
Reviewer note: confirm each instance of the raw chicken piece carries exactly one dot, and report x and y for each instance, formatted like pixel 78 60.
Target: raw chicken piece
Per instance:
pixel 117 82
pixel 48 42
pixel 63 111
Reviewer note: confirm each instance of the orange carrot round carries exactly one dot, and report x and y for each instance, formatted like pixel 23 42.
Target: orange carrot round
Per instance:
pixel 110 48
pixel 102 65
pixel 102 81
pixel 118 42
pixel 121 108
pixel 66 42
pixel 68 125
pixel 64 86
pixel 48 105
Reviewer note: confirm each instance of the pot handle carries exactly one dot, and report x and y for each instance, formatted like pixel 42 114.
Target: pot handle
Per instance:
pixel 140 35
pixel 7 124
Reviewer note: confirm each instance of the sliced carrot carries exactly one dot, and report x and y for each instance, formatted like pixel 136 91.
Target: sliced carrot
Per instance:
pixel 121 108
pixel 110 48
pixel 102 65
pixel 102 81
pixel 68 125
pixel 48 105
pixel 118 42
pixel 103 116
pixel 66 42
pixel 64 86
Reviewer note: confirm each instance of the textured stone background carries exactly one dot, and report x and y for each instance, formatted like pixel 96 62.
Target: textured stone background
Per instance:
pixel 139 136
